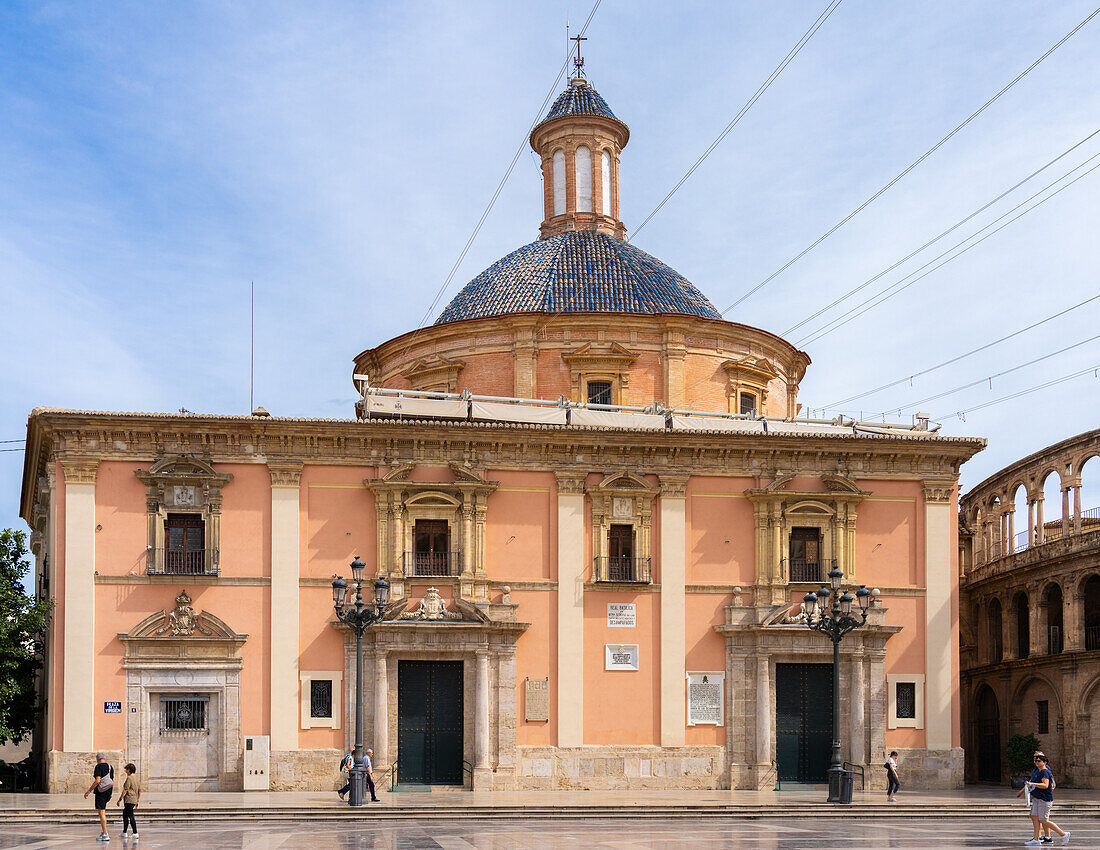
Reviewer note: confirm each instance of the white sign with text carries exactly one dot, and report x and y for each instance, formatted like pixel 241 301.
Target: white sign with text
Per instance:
pixel 622 615
pixel 706 699
pixel 621 656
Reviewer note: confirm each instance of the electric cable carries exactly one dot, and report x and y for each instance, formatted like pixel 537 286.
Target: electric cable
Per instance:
pixel 500 187
pixel 961 414
pixel 904 283
pixel 988 379
pixel 910 167
pixel 794 51
pixel 935 239
pixel 834 405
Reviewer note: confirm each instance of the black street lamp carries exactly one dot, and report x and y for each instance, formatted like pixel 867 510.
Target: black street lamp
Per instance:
pixel 359 618
pixel 836 621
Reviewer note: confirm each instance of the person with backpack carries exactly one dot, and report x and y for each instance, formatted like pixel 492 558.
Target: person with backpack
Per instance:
pixel 1041 785
pixel 892 783
pixel 104 783
pixel 346 764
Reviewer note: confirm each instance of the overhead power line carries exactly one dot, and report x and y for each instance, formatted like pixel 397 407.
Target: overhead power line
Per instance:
pixel 961 414
pixel 935 239
pixel 836 404
pixel 988 379
pixel 906 282
pixel 794 51
pixel 909 167
pixel 500 186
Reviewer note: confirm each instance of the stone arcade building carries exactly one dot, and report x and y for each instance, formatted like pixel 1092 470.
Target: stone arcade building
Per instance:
pixel 1031 615
pixel 601 595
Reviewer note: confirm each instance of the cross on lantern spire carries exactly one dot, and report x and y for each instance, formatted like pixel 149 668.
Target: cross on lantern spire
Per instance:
pixel 578 61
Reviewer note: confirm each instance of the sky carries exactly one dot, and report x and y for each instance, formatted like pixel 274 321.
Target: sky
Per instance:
pixel 157 158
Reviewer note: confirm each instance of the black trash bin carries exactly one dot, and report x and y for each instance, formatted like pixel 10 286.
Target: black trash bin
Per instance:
pixel 840 786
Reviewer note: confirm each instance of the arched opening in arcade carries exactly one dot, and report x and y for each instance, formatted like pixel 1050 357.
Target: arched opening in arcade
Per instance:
pixel 1052 617
pixel 1021 527
pixel 995 624
pixel 988 734
pixel 1089 475
pixel 1021 625
pixel 1051 507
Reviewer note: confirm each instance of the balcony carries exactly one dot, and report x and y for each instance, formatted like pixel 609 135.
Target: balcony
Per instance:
pixel 431 564
pixel 172 562
pixel 621 570
pixel 1092 637
pixel 1054 640
pixel 809 571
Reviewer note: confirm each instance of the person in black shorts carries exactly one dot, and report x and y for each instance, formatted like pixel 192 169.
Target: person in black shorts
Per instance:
pixel 103 786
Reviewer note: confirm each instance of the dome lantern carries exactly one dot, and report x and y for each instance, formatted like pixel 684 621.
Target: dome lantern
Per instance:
pixel 579 143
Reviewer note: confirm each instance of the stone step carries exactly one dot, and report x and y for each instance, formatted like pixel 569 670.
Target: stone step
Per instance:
pixel 450 811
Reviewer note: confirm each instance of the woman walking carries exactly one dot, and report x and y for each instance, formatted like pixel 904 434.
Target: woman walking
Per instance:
pixel 1041 785
pixel 892 783
pixel 131 793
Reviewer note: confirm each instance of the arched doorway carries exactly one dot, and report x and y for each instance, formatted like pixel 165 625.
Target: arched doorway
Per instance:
pixel 1054 620
pixel 989 736
pixel 1090 595
pixel 996 650
pixel 1023 626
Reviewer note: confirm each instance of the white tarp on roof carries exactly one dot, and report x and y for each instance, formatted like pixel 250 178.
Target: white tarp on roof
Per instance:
pixel 714 423
pixel 518 412
pixel 808 428
pixel 610 419
pixel 449 408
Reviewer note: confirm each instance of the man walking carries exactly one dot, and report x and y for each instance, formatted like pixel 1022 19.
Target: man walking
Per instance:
pixel 368 765
pixel 346 765
pixel 103 784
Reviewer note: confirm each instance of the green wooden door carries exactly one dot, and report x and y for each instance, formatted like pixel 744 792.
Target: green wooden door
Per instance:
pixel 429 724
pixel 803 721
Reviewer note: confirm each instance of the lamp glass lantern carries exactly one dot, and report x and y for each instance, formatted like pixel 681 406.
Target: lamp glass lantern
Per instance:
pixel 357 568
pixel 863 596
pixel 339 592
pixel 381 592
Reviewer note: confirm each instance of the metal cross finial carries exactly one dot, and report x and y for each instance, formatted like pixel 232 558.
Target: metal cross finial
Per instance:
pixel 578 62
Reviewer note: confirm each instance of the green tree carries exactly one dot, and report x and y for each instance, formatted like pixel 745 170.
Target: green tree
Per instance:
pixel 1019 751
pixel 23 622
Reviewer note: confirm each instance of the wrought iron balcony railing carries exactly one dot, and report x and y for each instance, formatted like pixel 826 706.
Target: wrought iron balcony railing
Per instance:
pixel 1092 637
pixel 811 570
pixel 433 563
pixel 170 562
pixel 1054 640
pixel 626 570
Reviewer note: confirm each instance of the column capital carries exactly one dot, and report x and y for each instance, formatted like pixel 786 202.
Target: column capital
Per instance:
pixel 673 486
pixel 938 491
pixel 79 470
pixel 570 483
pixel 285 473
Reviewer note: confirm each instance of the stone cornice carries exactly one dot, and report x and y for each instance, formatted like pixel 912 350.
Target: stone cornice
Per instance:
pixel 570 450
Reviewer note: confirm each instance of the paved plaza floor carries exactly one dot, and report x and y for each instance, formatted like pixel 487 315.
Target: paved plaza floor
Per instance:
pixel 859 834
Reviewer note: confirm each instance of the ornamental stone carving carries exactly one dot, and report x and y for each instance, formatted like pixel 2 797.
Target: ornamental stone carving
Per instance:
pixel 285 474
pixel 432 607
pixel 183 620
pixel 79 471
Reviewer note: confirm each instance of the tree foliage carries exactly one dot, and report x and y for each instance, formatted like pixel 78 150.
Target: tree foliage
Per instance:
pixel 1019 751
pixel 23 623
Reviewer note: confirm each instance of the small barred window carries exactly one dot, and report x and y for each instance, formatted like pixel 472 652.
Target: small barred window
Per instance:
pixel 184 714
pixel 320 698
pixel 906 695
pixel 1042 720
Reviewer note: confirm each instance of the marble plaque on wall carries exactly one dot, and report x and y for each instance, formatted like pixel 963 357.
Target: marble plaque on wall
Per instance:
pixel 620 656
pixel 536 700
pixel 705 698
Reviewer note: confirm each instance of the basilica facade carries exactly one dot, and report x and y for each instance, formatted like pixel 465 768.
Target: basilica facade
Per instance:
pixel 598 512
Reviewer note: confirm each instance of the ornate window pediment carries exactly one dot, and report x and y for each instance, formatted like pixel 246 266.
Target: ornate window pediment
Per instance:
pixel 747 380
pixel 599 363
pixel 622 522
pixel 182 621
pixel 434 372
pixel 189 490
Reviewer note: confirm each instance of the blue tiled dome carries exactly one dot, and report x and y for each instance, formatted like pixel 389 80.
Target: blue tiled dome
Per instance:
pixel 579 99
pixel 578 271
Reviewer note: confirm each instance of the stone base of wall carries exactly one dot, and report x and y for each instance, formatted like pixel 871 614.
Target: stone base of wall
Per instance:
pixel 921 768
pixel 307 770
pixel 71 773
pixel 752 777
pixel 618 768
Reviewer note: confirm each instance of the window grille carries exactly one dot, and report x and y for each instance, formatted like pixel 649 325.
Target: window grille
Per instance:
pixel 599 392
pixel 320 698
pixel 748 404
pixel 1042 720
pixel 906 700
pixel 184 714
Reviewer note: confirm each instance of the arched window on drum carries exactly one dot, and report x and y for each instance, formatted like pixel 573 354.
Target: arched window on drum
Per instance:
pixel 559 182
pixel 584 179
pixel 605 168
